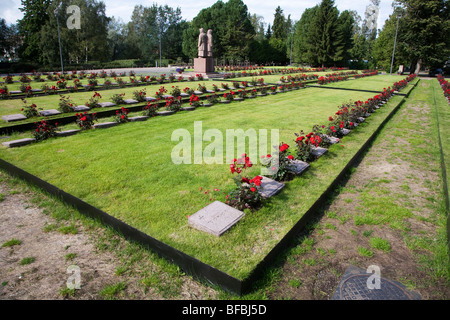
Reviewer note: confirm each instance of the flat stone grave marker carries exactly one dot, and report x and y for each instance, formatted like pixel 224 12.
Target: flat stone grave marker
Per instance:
pixel 106 104
pixel 361 119
pixel 167 96
pixel 150 99
pixel 15 92
pixel 215 218
pixel 188 108
pixel 367 115
pixel 18 143
pixel 105 125
pixel 81 108
pixel 14 117
pixel 36 90
pixel 67 133
pixel 269 187
pixel 319 151
pixel 210 91
pixel 345 131
pixel 355 286
pixel 51 112
pixel 184 95
pixel 333 140
pixel 139 118
pixel 297 166
pixel 165 113
pixel 130 101
pixel 198 92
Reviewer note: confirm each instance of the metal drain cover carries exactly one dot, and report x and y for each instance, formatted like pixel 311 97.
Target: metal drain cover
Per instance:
pixel 354 286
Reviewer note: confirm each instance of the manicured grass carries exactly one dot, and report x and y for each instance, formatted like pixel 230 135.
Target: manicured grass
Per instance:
pixel 127 172
pixel 14 106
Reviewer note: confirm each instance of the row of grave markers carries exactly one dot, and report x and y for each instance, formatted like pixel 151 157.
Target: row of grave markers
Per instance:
pixel 218 217
pixel 82 108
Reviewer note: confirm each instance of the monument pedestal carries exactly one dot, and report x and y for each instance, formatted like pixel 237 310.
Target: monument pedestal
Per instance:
pixel 204 65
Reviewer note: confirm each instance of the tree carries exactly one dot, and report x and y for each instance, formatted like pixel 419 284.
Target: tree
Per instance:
pixel 384 45
pixel 346 32
pixel 232 30
pixel 259 26
pixel 426 31
pixel 324 40
pixel 279 27
pixel 302 51
pixel 89 42
pixel 9 41
pixel 150 26
pixel 35 16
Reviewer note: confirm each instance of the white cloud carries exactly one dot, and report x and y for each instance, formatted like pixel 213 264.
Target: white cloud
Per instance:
pixel 9 10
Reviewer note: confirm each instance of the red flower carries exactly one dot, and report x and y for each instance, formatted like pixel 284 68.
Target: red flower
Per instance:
pixel 290 157
pixel 252 189
pixel 284 147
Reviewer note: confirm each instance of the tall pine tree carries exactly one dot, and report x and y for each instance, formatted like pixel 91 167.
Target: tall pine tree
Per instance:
pixel 324 39
pixel 35 16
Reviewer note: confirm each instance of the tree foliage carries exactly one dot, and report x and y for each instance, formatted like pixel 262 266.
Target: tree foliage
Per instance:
pixel 232 27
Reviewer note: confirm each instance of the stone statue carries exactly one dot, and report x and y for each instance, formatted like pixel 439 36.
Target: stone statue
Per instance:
pixel 202 44
pixel 210 44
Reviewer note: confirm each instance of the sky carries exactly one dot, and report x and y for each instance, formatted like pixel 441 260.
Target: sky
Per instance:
pixel 9 9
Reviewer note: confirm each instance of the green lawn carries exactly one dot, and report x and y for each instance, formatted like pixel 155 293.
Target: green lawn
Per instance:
pixel 127 171
pixel 14 106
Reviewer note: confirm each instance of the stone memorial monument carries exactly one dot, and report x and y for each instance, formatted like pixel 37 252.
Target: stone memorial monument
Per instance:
pixel 205 61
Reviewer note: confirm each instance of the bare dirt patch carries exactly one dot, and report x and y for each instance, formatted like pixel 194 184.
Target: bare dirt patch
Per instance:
pixel 53 252
pixel 390 170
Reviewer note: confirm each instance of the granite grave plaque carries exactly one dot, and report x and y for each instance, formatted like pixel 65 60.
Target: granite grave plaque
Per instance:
pixel 106 104
pixel 51 112
pixel 18 143
pixel 270 187
pixel 81 108
pixel 14 117
pixel 105 125
pixel 297 166
pixel 319 151
pixel 215 218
